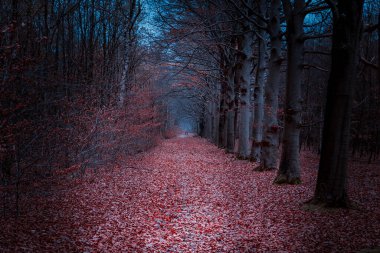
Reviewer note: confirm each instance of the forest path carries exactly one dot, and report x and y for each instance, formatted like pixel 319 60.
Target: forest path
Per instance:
pixel 186 195
pixel 200 200
pixel 193 197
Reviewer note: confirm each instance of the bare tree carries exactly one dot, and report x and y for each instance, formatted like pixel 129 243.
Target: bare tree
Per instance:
pixel 331 189
pixel 129 34
pixel 259 87
pixel 289 170
pixel 271 126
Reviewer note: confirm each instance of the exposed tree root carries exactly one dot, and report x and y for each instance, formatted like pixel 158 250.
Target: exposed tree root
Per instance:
pixel 284 179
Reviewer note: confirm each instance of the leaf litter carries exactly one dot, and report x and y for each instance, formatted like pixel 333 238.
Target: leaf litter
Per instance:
pixel 186 195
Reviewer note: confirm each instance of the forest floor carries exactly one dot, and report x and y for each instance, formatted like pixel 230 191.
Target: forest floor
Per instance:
pixel 186 195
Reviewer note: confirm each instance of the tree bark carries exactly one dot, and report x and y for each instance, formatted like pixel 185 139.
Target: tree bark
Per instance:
pixel 129 37
pixel 331 189
pixel 258 112
pixel 209 121
pixel 230 115
pixel 289 171
pixel 223 108
pixel 216 109
pixel 243 72
pixel 269 152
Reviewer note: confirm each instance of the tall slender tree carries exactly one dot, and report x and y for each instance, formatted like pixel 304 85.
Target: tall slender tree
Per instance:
pixel 129 33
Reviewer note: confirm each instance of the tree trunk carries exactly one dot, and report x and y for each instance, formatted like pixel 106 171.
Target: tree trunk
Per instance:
pixel 134 11
pixel 208 121
pixel 223 108
pixel 124 79
pixel 230 115
pixel 331 189
pixel 289 171
pixel 258 114
pixel 243 72
pixel 211 125
pixel 269 152
pixel 91 44
pixel 216 124
pixel 216 109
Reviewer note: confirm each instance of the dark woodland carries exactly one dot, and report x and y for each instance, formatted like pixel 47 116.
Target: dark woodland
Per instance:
pixel 189 126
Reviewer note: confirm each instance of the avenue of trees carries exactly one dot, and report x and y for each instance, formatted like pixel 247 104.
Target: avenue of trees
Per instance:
pixel 265 79
pixel 85 82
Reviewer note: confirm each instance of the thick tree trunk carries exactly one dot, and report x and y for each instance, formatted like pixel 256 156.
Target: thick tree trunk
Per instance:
pixel 230 114
pixel 216 124
pixel 215 128
pixel 208 121
pixel 258 112
pixel 230 131
pixel 269 152
pixel 215 100
pixel 222 142
pixel 222 129
pixel 243 72
pixel 289 171
pixel 331 189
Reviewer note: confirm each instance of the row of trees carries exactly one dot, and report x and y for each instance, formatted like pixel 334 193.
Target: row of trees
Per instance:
pixel 77 89
pixel 258 74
